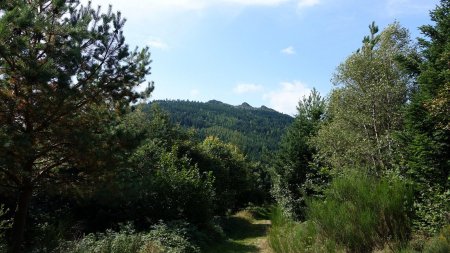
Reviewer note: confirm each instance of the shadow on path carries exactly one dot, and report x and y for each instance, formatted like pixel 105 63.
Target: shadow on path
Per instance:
pixel 244 235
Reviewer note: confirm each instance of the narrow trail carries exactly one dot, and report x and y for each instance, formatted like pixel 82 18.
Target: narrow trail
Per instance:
pixel 246 235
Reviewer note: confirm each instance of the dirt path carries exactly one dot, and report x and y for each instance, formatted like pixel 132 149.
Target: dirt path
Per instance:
pixel 246 235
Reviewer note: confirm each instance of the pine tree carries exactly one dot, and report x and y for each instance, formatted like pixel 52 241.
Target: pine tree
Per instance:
pixel 293 167
pixel 63 69
pixel 427 135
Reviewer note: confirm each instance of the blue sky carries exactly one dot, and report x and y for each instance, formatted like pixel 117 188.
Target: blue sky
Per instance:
pixel 264 52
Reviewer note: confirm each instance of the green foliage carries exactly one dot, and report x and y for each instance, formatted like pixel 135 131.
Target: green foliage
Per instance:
pixel 364 111
pixel 363 213
pixel 66 71
pixel 439 243
pixel 296 176
pixel 161 238
pixel 288 236
pixel 250 129
pixel 427 137
pixel 231 171
pixel 158 182
pixel 432 209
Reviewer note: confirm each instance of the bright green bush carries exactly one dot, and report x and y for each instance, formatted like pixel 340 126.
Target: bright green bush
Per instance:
pixel 363 213
pixel 288 236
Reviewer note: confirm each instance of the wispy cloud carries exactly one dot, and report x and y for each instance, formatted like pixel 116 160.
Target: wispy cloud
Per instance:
pixel 408 7
pixel 194 93
pixel 307 3
pixel 157 43
pixel 289 50
pixel 286 97
pixel 242 88
pixel 194 5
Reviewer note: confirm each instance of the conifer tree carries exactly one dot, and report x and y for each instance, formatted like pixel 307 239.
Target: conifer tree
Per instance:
pixel 427 134
pixel 293 167
pixel 63 68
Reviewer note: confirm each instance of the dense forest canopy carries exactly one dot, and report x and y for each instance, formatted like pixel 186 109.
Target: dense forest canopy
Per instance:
pixel 87 166
pixel 253 130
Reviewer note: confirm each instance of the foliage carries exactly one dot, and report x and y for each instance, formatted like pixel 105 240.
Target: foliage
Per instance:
pixel 363 213
pixel 161 238
pixel 64 69
pixel 231 172
pixel 158 182
pixel 432 209
pixel 251 129
pixel 288 236
pixel 4 225
pixel 364 111
pixel 296 177
pixel 426 138
pixel 439 243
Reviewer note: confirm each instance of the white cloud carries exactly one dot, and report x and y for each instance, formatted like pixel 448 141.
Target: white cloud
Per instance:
pixel 307 3
pixel 406 7
pixel 286 98
pixel 153 6
pixel 157 43
pixel 242 88
pixel 194 93
pixel 289 50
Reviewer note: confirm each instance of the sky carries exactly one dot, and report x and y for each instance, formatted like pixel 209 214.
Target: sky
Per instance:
pixel 263 52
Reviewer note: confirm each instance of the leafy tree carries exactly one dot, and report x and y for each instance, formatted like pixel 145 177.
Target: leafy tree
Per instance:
pixel 294 170
pixel 365 110
pixel 231 172
pixel 64 69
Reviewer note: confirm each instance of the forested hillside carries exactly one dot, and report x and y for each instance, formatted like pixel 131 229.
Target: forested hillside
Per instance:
pixel 253 130
pixel 87 166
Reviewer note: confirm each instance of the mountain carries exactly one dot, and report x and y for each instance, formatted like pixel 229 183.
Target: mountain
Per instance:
pixel 251 129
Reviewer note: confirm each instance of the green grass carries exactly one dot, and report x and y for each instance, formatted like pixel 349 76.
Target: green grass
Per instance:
pixel 246 233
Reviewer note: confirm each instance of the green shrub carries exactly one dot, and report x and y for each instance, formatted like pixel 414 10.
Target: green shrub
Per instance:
pixel 431 209
pixel 173 238
pixel 288 236
pixel 162 238
pixel 439 243
pixel 363 213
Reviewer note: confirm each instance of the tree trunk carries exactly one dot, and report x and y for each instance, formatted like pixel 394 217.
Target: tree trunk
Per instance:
pixel 20 218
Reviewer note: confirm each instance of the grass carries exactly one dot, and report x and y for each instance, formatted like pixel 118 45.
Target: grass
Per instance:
pixel 246 232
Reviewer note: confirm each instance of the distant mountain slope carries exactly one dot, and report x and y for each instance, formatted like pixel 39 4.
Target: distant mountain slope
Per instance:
pixel 251 129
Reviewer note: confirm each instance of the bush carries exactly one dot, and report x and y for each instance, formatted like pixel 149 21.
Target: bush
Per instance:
pixel 162 238
pixel 124 241
pixel 439 243
pixel 363 213
pixel 288 236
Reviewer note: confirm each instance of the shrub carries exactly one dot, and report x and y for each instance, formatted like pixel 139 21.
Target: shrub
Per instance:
pixel 288 236
pixel 439 243
pixel 362 213
pixel 162 238
pixel 124 241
